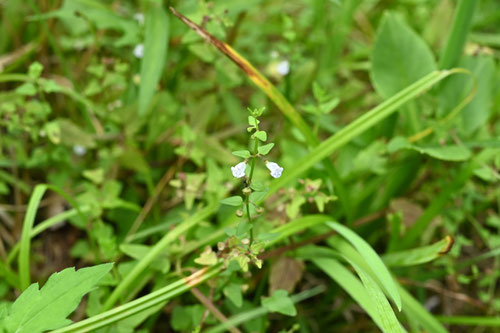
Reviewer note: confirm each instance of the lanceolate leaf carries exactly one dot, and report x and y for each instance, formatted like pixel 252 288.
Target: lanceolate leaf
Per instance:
pixel 155 51
pixel 447 153
pixel 46 309
pixel 372 259
pixel 348 281
pixel 419 255
pixel 389 322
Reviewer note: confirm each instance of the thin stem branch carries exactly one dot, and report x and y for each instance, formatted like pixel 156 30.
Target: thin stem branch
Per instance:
pixel 212 308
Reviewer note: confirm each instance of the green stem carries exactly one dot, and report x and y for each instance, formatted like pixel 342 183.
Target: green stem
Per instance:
pixel 249 183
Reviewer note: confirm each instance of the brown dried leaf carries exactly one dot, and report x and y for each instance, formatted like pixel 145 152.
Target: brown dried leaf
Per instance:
pixel 410 211
pixel 285 274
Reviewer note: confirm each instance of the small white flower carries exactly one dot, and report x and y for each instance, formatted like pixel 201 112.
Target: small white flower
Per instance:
pixel 139 51
pixel 239 170
pixel 79 150
pixel 139 17
pixel 283 68
pixel 275 169
pixel 274 54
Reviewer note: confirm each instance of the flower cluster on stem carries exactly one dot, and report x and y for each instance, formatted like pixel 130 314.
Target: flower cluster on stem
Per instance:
pixel 246 249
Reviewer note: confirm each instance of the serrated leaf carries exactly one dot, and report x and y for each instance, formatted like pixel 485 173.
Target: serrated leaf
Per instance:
pixel 261 135
pixel 207 258
pixel 46 309
pixel 265 149
pixel 279 302
pixel 241 153
pixel 232 201
pixel 243 261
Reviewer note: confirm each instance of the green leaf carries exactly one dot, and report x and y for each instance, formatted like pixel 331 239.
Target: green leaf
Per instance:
pixel 257 196
pixel 372 260
pixel 280 302
pixel 261 135
pixel 94 175
pixel 207 258
pixel 453 153
pixel 72 134
pixel 329 105
pixel 348 281
pixel 242 153
pixel 242 229
pixel 358 126
pixel 185 318
pixel 259 187
pixel 252 121
pixel 155 52
pixel 35 70
pixel 400 57
pixel 388 320
pixel 49 86
pixel 138 251
pixel 243 261
pixel 476 113
pixel 318 92
pixel 46 309
pixel 419 255
pixel 265 149
pixel 233 292
pixel 27 89
pixel 232 201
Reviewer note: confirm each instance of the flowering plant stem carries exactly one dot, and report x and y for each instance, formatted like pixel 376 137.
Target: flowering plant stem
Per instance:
pixel 249 183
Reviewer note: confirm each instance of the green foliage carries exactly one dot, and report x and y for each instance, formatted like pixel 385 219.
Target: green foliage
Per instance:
pixel 232 201
pixel 369 177
pixel 400 57
pixel 446 153
pixel 242 153
pixel 372 260
pixel 279 302
pixel 265 149
pixel 155 51
pixel 38 310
